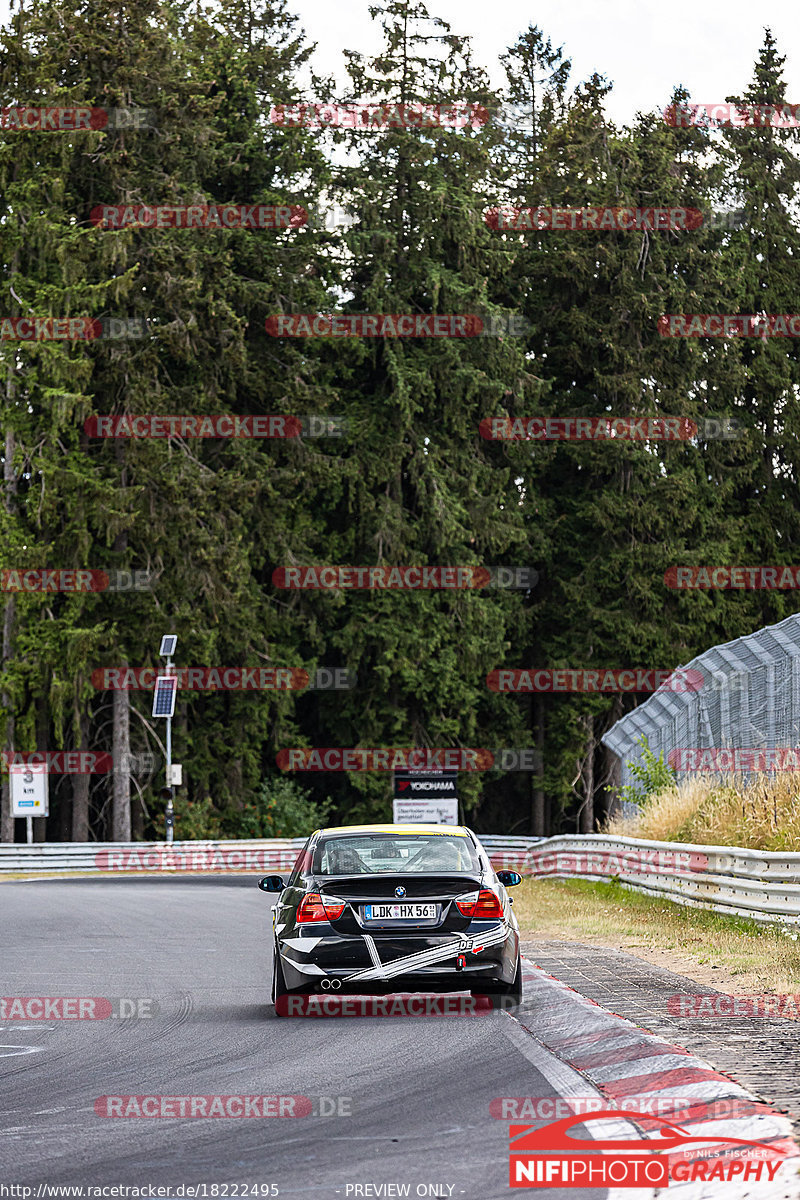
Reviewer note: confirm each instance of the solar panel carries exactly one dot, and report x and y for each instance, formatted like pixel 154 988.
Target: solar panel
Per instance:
pixel 164 696
pixel 168 642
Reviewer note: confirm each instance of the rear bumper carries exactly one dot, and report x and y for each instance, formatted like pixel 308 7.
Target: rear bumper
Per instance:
pixel 428 964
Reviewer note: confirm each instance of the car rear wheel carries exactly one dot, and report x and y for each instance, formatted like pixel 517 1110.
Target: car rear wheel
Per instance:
pixel 279 987
pixel 506 995
pixel 513 991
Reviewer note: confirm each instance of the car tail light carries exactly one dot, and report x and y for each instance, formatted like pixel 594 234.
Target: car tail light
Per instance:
pixel 466 904
pixel 315 907
pixel 488 906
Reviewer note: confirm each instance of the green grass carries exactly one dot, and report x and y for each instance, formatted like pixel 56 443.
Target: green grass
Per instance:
pixel 608 914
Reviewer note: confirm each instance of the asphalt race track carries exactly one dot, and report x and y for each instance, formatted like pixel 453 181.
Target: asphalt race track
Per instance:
pixel 413 1093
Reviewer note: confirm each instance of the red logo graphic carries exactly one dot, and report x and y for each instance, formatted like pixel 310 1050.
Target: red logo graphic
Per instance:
pixel 551 1157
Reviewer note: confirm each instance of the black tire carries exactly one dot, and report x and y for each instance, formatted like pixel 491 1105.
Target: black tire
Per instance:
pixel 506 995
pixel 279 987
pixel 514 992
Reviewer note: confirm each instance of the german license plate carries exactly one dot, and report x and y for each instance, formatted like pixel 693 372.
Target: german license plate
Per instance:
pixel 399 912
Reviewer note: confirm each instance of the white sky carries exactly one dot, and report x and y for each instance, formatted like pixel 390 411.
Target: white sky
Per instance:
pixel 645 47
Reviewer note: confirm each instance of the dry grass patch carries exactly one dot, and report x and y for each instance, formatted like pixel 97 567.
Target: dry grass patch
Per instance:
pixel 763 814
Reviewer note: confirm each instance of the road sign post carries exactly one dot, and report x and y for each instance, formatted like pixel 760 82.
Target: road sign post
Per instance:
pixel 428 795
pixel 29 793
pixel 164 706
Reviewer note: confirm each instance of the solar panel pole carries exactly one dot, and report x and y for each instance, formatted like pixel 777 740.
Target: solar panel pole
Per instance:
pixel 168 643
pixel 170 820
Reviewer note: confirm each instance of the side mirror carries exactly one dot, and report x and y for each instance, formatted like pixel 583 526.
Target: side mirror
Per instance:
pixel 271 883
pixel 509 878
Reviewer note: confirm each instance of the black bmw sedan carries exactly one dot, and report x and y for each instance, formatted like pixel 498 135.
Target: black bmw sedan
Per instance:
pixel 388 908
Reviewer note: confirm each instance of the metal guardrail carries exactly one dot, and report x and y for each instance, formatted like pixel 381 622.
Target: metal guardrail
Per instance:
pixel 249 855
pixel 762 885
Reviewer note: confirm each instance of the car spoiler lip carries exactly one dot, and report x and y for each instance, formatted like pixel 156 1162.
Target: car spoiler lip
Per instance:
pixel 328 883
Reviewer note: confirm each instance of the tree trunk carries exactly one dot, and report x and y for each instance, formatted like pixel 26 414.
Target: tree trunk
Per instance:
pixel 587 780
pixel 9 609
pixel 537 807
pixel 40 824
pixel 121 822
pixel 80 783
pixel 6 819
pixel 9 612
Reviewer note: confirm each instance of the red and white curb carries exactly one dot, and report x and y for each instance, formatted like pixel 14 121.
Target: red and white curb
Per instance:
pixel 622 1061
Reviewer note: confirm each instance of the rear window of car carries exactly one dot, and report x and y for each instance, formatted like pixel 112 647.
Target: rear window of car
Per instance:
pixel 383 854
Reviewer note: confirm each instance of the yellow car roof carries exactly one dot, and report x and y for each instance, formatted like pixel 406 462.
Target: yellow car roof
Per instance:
pixel 451 830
